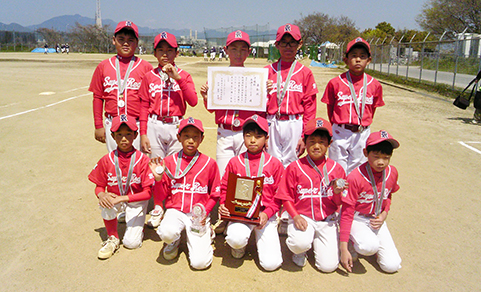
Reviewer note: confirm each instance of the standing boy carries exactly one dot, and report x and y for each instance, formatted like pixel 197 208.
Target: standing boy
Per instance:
pixel 310 191
pixel 352 99
pixel 255 163
pixel 115 83
pixel 292 101
pixel 366 205
pixel 165 92
pixel 123 182
pixel 230 142
pixel 190 178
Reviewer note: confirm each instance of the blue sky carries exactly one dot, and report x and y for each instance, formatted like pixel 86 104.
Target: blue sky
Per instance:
pixel 216 14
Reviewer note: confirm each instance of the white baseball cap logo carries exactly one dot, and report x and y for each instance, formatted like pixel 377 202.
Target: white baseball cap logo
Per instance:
pixel 254 117
pixel 128 23
pixel 123 118
pixel 238 34
pixel 358 40
pixel 319 123
pixel 384 135
pixel 287 27
pixel 190 120
pixel 163 35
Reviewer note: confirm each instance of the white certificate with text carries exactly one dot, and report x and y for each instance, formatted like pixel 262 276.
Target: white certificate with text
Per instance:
pixel 237 88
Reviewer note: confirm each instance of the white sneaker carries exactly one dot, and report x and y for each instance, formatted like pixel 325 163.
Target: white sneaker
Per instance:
pixel 109 247
pixel 238 253
pixel 121 217
pixel 299 259
pixel 171 250
pixel 155 217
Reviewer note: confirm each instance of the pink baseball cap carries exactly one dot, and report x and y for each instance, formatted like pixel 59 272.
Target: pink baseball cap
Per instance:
pixel 291 29
pixel 129 25
pixel 237 35
pixel 165 36
pixel 260 121
pixel 190 122
pixel 359 41
pixel 317 124
pixel 130 121
pixel 378 137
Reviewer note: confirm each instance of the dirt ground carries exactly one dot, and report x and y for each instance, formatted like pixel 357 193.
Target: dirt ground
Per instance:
pixel 51 226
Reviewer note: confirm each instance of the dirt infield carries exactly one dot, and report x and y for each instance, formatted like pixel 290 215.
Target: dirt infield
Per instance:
pixel 51 227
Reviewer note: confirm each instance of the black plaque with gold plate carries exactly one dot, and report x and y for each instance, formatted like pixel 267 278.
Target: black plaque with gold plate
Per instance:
pixel 243 198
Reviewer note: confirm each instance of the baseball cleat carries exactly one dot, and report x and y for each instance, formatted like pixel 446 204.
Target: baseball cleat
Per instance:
pixel 109 247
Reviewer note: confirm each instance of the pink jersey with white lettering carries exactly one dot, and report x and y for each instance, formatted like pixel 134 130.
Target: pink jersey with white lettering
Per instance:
pixel 201 184
pixel 360 195
pixel 104 175
pixel 340 103
pixel 272 172
pixel 300 97
pixel 304 186
pixel 104 86
pixel 165 99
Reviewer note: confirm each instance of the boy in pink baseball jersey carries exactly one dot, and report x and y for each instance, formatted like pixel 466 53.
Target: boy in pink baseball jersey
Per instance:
pixel 310 191
pixel 352 99
pixel 191 179
pixel 230 142
pixel 115 83
pixel 292 100
pixel 123 182
pixel 366 205
pixel 256 162
pixel 165 92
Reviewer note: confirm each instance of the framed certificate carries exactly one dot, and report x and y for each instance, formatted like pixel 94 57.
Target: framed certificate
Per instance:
pixel 243 198
pixel 237 88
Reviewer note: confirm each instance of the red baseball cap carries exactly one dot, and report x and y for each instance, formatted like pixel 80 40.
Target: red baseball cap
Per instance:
pixel 165 36
pixel 378 137
pixel 260 121
pixel 359 41
pixel 317 124
pixel 129 25
pixel 131 122
pixel 190 122
pixel 291 29
pixel 237 35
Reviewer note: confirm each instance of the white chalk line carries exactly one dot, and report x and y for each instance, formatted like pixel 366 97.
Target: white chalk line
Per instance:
pixel 470 147
pixel 45 106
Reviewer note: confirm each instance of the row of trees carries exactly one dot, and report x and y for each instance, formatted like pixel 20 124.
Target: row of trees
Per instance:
pixel 437 17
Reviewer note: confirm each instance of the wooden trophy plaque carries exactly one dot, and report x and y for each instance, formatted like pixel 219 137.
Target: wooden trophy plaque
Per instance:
pixel 241 196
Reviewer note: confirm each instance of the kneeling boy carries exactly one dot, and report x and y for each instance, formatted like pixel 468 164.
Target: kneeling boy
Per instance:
pixel 254 163
pixel 190 178
pixel 123 183
pixel 311 193
pixel 367 204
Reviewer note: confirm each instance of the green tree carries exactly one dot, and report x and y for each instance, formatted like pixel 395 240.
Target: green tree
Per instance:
pixel 317 28
pixel 386 28
pixel 438 16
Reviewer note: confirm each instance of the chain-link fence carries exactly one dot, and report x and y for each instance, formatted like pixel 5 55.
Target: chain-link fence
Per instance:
pixel 452 62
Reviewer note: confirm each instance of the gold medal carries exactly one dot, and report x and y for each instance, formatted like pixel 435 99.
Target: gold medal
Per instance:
pixel 121 103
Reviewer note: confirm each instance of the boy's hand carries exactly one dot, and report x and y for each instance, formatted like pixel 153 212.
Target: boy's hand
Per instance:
pixel 100 135
pixel 145 144
pixel 171 70
pixel 269 85
pixel 346 258
pixel 223 211
pixel 301 147
pixel 153 164
pixel 300 223
pixel 203 91
pixel 263 220
pixel 106 200
pixel 336 189
pixel 377 222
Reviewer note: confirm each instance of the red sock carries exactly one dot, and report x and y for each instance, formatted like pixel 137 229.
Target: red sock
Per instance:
pixel 111 226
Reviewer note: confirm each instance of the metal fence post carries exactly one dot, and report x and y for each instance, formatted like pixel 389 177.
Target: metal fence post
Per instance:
pixel 437 58
pixel 390 60
pixel 409 56
pixel 456 52
pixel 422 57
pixel 398 50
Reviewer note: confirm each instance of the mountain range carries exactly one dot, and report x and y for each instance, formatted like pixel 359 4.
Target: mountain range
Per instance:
pixel 66 23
